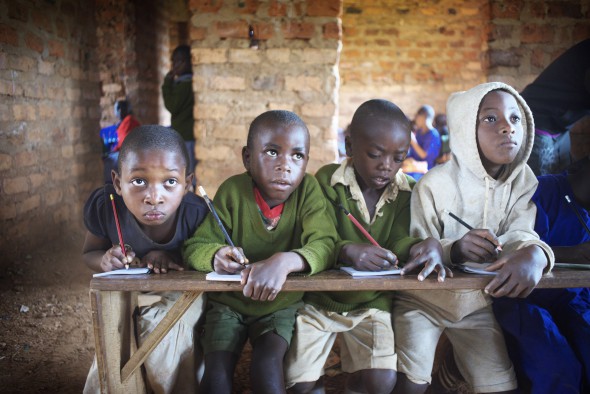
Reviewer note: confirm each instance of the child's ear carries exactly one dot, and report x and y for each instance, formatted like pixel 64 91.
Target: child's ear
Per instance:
pixel 189 182
pixel 246 157
pixel 348 146
pixel 116 181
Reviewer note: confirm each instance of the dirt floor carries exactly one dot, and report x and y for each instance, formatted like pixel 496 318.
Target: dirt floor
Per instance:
pixel 46 339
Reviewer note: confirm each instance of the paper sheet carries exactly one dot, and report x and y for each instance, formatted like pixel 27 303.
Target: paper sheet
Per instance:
pixel 360 274
pixel 123 271
pixel 475 268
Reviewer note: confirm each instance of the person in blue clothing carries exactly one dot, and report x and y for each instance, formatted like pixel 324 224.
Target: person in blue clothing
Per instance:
pixel 424 146
pixel 548 333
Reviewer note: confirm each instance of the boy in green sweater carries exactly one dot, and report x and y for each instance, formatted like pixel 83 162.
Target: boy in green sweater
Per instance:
pixel 370 186
pixel 277 214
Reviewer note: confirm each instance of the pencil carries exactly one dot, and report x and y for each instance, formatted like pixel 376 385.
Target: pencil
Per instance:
pixel 119 232
pixel 569 201
pixel 468 227
pixel 218 220
pixel 359 226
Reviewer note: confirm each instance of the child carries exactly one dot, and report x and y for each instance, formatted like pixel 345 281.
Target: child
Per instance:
pixel 488 184
pixel 550 329
pixel 179 98
pixel 277 214
pixel 425 144
pixel 369 185
pixel 156 215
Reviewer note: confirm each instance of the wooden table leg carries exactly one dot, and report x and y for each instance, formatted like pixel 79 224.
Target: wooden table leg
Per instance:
pixel 174 314
pixel 114 338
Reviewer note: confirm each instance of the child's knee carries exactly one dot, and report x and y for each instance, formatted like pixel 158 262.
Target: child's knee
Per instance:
pixel 379 380
pixel 307 388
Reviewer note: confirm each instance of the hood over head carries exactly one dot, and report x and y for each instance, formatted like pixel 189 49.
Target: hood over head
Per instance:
pixel 462 110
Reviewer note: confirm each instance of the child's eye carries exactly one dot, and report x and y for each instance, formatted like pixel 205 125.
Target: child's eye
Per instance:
pixel 515 119
pixel 138 182
pixel 299 156
pixel 171 182
pixel 372 155
pixel 399 159
pixel 271 152
pixel 489 119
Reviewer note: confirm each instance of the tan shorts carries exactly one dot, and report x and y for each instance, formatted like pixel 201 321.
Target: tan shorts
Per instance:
pixel 367 342
pixel 478 345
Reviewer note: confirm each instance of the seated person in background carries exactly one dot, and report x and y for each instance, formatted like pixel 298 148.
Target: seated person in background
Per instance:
pixel 113 136
pixel 156 215
pixel 277 214
pixel 425 144
pixel 488 184
pixel 548 333
pixel 440 124
pixel 370 186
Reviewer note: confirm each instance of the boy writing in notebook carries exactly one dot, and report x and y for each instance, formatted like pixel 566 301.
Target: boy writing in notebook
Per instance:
pixel 276 214
pixel 370 186
pixel 487 184
pixel 156 215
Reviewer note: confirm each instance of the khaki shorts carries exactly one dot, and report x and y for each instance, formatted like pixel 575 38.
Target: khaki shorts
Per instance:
pixel 367 342
pixel 226 330
pixel 478 345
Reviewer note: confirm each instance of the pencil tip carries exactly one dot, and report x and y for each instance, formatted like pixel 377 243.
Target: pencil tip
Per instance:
pixel 112 198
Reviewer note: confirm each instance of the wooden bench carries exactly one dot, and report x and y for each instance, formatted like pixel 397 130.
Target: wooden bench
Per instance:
pixel 113 299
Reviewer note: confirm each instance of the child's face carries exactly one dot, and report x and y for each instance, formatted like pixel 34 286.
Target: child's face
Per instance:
pixel 277 161
pixel 499 131
pixel 180 65
pixel 378 151
pixel 420 121
pixel 152 184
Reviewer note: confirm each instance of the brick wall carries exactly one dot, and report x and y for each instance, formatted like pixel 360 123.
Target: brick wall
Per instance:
pixel 526 35
pixel 295 68
pixel 49 115
pixel 410 52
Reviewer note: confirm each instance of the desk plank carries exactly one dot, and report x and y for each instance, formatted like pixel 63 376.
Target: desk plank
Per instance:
pixel 325 281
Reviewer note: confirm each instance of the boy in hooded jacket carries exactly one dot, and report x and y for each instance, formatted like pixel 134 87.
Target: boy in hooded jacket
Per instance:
pixel 488 184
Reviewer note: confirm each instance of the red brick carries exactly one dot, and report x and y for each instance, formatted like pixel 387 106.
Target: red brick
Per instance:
pixel 391 31
pixel 324 7
pixel 506 9
pixel 382 42
pixel 276 8
pixel 581 32
pixel 564 9
pixel 332 31
pixel 198 33
pixel 247 7
pixel 538 58
pixel 533 34
pixel 303 30
pixel 8 35
pixel 56 49
pixel 263 31
pixel 34 42
pixel 42 21
pixel 16 185
pixel 205 6
pixel 507 58
pixel 237 29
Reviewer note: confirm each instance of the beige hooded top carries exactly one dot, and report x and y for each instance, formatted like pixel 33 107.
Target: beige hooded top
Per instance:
pixel 462 186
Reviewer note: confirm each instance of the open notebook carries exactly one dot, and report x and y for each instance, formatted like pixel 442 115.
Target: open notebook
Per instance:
pixel 364 274
pixel 123 271
pixel 474 268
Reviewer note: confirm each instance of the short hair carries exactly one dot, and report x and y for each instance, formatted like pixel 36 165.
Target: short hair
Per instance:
pixel 378 110
pixel 184 51
pixel 278 117
pixel 427 111
pixel 154 137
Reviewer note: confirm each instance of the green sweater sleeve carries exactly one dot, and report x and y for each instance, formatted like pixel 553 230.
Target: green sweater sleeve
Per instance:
pixel 176 95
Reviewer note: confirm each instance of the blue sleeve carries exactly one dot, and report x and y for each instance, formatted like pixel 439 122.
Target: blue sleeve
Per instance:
pixel 432 147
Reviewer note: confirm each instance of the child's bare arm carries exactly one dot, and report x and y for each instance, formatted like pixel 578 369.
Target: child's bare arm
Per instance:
pixel 578 254
pixel 478 245
pixel 427 253
pixel 228 260
pixel 518 272
pixel 365 257
pixel 100 255
pixel 264 279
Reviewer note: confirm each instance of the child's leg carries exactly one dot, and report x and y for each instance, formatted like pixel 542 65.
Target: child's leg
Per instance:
pixel 372 381
pixel 219 372
pixel 406 386
pixel 266 369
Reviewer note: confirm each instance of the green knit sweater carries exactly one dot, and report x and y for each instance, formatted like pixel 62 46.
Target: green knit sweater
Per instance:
pixel 304 228
pixel 179 99
pixel 391 231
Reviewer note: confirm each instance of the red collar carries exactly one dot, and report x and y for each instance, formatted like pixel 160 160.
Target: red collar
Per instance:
pixel 267 211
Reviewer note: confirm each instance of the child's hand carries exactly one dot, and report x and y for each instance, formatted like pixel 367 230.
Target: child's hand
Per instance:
pixel 114 259
pixel 429 254
pixel 160 261
pixel 229 260
pixel 264 279
pixel 518 272
pixel 478 246
pixel 365 257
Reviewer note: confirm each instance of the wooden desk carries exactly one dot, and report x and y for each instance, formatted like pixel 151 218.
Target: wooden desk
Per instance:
pixel 113 300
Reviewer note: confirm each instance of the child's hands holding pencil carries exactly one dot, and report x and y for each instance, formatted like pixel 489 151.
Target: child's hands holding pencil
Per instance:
pixel 365 257
pixel 229 260
pixel 115 259
pixel 478 246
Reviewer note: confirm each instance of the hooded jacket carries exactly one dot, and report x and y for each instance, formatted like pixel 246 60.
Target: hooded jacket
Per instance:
pixel 462 186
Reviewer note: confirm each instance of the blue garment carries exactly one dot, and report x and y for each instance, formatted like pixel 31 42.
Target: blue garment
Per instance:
pixel 430 142
pixel 548 333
